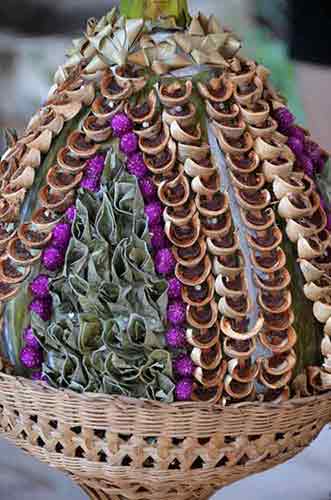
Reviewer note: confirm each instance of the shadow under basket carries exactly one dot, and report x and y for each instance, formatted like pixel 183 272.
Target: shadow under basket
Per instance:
pixel 119 448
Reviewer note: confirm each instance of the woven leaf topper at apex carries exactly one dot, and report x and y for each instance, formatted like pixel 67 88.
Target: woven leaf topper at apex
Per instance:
pixel 98 340
pixel 104 43
pixel 204 42
pixel 112 41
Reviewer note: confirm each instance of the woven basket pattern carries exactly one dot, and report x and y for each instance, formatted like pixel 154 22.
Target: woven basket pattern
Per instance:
pixel 127 449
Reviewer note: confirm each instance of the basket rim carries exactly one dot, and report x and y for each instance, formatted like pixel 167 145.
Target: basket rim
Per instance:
pixel 43 389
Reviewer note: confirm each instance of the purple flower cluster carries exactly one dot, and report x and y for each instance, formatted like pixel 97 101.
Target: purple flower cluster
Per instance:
pixel 176 313
pixel 184 389
pixel 309 156
pixel 42 307
pixel 183 365
pixel 39 286
pixel 284 119
pixel 53 256
pixel 52 259
pixel 41 303
pixel 176 337
pixel 129 143
pixel 71 214
pixel 61 236
pixel 174 288
pixel 153 211
pixel 121 124
pixel 92 173
pixel 165 262
pixel 31 355
pixel 147 188
pixel 158 236
pixel 136 165
pixel 30 338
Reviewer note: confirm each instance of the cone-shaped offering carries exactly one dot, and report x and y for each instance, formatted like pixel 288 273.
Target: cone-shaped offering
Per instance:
pixel 163 234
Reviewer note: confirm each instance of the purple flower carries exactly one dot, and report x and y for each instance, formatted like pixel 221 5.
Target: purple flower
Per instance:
pixel 121 124
pixel 158 237
pixel 71 213
pixel 174 288
pixel 296 145
pixel 312 150
pixel 184 389
pixel 129 143
pixel 90 184
pixel 296 132
pixel 39 286
pixel 52 258
pixel 177 313
pixel 153 210
pixel 30 339
pixel 31 358
pixel 284 117
pixel 307 164
pixel 42 307
pixel 61 235
pixel 136 165
pixel 147 188
pixel 183 365
pixel 165 261
pixel 92 174
pixel 95 166
pixel 175 337
pixel 38 376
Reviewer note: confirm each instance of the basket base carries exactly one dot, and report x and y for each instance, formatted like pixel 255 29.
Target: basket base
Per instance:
pixel 95 493
pixel 147 455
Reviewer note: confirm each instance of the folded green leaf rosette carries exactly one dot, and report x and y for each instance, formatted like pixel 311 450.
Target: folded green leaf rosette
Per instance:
pixel 98 340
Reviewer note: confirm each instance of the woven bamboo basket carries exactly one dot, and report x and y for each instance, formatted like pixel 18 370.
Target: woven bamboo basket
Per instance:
pixel 125 449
